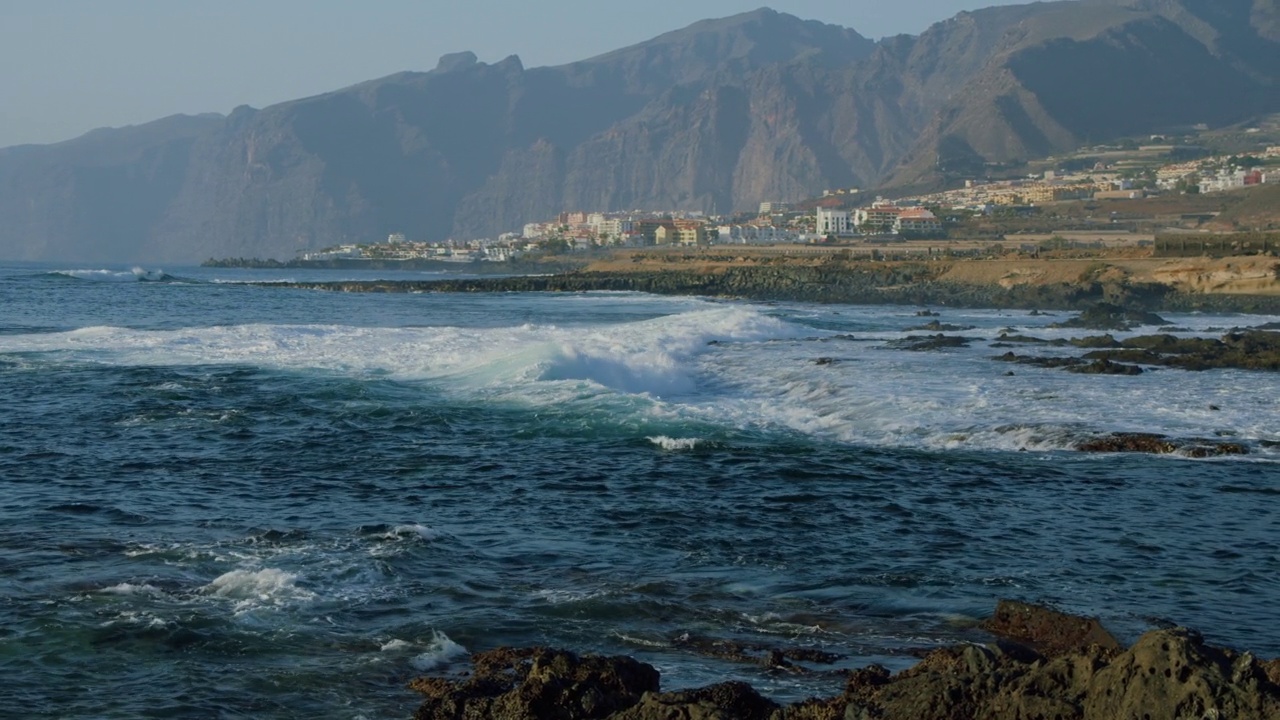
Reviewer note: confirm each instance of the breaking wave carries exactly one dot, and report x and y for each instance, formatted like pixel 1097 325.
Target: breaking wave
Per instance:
pixel 670 443
pixel 266 588
pixel 707 371
pixel 136 274
pixel 441 651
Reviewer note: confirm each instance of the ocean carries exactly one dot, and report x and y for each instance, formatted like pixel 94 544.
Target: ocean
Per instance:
pixel 227 500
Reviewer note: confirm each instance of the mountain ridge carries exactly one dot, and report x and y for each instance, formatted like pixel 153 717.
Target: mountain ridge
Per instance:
pixel 716 117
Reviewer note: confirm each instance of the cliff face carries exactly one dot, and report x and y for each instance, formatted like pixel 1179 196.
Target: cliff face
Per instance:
pixel 1069 74
pixel 715 117
pixel 91 196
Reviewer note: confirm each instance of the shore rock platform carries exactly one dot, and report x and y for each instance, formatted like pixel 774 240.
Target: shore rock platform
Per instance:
pixel 917 283
pixel 1041 665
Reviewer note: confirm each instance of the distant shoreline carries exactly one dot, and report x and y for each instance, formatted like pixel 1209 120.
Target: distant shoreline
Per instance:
pixel 1247 285
pixel 470 268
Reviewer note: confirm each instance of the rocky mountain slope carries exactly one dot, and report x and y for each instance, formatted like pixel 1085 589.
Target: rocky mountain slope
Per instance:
pixel 715 117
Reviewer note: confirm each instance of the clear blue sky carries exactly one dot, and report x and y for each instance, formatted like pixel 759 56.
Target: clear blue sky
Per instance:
pixel 74 65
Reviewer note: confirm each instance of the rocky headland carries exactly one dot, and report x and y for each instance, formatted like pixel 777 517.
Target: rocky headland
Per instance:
pixel 1038 664
pixel 1225 285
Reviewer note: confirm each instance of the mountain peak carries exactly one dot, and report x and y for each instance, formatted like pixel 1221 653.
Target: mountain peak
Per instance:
pixel 456 61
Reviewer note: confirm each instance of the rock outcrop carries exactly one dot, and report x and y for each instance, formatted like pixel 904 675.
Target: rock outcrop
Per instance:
pixel 875 283
pixel 538 684
pixel 1044 664
pixel 1156 444
pixel 1244 350
pixel 1109 316
pixel 1049 632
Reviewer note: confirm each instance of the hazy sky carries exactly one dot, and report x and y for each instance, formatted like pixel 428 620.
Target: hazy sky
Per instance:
pixel 74 65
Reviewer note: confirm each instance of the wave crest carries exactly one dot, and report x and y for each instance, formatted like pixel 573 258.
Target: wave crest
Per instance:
pixel 441 651
pixel 136 274
pixel 670 443
pixel 252 589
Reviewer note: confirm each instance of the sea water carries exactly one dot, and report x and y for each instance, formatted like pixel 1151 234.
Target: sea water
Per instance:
pixel 226 500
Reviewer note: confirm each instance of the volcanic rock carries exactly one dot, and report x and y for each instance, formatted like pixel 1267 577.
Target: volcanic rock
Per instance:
pixel 755 653
pixel 918 343
pixel 1048 665
pixel 1107 316
pixel 940 327
pixel 725 701
pixel 1103 366
pixel 1025 339
pixel 1046 362
pixel 538 683
pixel 1095 341
pixel 1048 631
pixel 1172 674
pixel 1159 445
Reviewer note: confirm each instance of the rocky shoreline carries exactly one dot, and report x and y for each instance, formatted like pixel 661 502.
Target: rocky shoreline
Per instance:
pixel 861 283
pixel 1040 664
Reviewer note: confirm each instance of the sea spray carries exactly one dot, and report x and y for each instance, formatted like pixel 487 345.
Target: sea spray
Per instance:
pixel 441 651
pixel 255 589
pixel 673 444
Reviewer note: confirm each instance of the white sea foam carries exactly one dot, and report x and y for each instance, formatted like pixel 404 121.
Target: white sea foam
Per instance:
pixel 395 644
pixel 670 443
pixel 962 400
pixel 103 275
pixel 253 589
pixel 651 356
pixel 132 589
pixel 561 597
pixel 135 618
pixel 419 531
pixel 398 538
pixel 743 367
pixel 643 642
pixel 773 622
pixel 441 651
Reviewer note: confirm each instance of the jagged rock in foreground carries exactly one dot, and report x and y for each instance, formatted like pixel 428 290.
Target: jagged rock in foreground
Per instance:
pixel 535 683
pixel 1047 631
pixel 1046 665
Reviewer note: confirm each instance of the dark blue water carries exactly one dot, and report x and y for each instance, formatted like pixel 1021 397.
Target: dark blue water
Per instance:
pixel 222 500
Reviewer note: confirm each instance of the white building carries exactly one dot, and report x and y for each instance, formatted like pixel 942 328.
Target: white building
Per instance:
pixel 833 222
pixel 753 235
pixel 1225 180
pixel 342 251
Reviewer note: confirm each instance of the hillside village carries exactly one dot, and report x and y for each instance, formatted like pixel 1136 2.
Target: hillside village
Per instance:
pixel 843 215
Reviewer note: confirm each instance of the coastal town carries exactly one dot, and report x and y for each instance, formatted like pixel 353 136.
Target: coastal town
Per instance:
pixel 845 216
